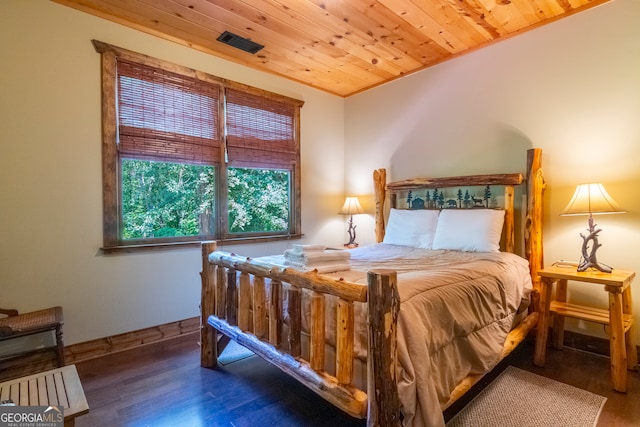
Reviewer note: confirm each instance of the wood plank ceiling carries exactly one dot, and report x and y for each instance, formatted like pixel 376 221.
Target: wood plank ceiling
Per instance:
pixel 339 46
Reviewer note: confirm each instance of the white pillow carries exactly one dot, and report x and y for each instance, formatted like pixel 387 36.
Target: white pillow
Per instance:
pixel 470 230
pixel 414 228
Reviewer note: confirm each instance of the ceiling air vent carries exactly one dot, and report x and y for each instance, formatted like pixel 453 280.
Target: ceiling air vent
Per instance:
pixel 239 42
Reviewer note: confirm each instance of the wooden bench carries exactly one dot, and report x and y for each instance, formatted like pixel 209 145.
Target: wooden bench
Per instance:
pixel 17 325
pixel 57 387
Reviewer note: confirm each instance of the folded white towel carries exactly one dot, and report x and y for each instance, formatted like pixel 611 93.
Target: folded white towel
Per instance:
pixel 323 267
pixel 299 249
pixel 316 256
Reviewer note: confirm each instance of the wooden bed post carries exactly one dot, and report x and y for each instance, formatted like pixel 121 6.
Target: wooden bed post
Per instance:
pixel 509 219
pixel 379 183
pixel 208 347
pixel 382 383
pixel 533 226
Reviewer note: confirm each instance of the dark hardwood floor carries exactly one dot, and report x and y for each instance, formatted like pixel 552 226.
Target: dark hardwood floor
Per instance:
pixel 163 385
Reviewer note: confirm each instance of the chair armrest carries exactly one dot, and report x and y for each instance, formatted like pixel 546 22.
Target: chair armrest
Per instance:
pixel 8 312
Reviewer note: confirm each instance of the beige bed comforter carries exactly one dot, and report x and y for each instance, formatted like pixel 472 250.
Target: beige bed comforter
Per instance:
pixel 456 311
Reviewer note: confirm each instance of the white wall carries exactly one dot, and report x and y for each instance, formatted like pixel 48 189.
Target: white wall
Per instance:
pixel 571 87
pixel 50 175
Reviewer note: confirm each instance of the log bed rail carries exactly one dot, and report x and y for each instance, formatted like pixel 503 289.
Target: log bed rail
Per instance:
pixel 252 313
pixel 243 308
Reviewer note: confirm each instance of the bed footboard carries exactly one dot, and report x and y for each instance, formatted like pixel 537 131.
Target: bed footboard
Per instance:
pixel 235 303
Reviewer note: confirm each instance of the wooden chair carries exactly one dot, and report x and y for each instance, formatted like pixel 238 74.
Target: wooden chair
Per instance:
pixel 16 325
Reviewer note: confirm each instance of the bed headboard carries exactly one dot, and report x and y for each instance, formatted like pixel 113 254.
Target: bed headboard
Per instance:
pixel 429 186
pixel 434 190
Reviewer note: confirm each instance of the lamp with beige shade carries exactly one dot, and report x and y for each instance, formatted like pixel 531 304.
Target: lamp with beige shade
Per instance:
pixel 351 207
pixel 590 199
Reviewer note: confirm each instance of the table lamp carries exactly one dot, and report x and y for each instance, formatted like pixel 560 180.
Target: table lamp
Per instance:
pixel 590 199
pixel 351 207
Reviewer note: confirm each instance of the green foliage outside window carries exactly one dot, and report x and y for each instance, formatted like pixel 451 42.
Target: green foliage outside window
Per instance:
pixel 166 199
pixel 162 199
pixel 258 200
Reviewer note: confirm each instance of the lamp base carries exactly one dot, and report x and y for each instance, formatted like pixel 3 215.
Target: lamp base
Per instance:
pixel 585 265
pixel 352 234
pixel 588 259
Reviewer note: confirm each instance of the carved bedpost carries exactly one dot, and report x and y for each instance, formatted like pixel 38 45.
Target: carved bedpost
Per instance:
pixel 382 383
pixel 379 183
pixel 533 235
pixel 509 220
pixel 208 347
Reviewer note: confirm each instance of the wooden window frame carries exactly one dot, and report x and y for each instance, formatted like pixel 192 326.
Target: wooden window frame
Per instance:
pixel 112 241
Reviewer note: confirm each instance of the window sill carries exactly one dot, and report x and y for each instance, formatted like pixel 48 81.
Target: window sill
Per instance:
pixel 150 247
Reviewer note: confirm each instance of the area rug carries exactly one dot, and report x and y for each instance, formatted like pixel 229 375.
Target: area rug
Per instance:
pixel 523 399
pixel 234 352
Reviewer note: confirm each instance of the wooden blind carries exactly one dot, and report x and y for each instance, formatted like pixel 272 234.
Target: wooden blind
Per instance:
pixel 260 131
pixel 165 116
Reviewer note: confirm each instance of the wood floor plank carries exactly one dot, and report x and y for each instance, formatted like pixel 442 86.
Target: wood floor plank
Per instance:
pixel 163 385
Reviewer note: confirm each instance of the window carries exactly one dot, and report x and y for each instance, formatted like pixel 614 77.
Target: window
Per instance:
pixel 188 156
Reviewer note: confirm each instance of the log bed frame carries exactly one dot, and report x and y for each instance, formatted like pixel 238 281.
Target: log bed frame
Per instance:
pixel 244 314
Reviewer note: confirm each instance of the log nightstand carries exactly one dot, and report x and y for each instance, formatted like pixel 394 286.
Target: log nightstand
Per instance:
pixel 619 316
